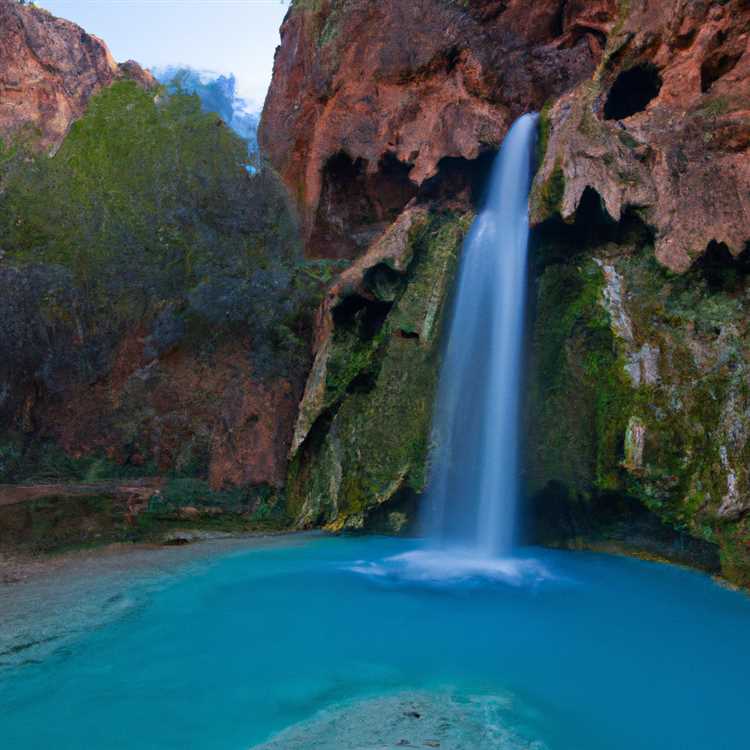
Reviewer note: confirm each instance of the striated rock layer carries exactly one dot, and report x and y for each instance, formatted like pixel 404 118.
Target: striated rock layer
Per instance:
pixel 49 69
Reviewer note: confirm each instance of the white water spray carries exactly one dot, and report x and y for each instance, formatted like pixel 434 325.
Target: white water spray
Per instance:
pixel 474 485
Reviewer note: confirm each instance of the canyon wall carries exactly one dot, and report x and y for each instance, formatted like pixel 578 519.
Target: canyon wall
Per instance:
pixel 373 103
pixel 640 357
pixel 49 69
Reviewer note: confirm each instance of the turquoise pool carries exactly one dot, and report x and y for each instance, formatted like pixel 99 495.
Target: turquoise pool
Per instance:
pixel 371 643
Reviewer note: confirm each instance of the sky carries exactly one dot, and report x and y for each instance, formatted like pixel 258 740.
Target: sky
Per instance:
pixel 226 36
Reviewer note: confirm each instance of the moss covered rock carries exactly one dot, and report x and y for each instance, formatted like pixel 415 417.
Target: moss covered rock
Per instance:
pixel 366 454
pixel 639 390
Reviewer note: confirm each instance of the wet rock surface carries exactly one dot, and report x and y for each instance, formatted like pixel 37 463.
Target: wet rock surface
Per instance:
pixel 640 344
pixel 411 720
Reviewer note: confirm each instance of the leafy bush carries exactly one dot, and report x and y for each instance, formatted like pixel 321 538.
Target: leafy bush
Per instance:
pixel 146 213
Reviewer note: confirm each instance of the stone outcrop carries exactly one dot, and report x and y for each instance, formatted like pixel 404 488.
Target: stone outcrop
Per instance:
pixel 49 69
pixel 636 414
pixel 154 316
pixel 369 98
pixel 177 410
pixel 362 438
pixel 662 127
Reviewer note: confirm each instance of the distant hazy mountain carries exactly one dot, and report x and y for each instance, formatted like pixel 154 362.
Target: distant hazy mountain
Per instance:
pixel 218 93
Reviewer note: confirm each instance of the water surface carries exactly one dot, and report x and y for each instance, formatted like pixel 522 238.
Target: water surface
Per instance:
pixel 335 638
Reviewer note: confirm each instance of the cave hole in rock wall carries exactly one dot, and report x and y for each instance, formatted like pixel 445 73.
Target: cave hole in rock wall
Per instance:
pixel 721 271
pixel 357 203
pixel 362 316
pixel 384 282
pixel 631 92
pixel 557 241
pixel 460 179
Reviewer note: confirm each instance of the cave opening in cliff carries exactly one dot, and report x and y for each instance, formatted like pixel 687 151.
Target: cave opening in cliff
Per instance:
pixel 383 282
pixel 632 91
pixel 363 316
pixel 460 178
pixel 721 271
pixel 357 202
pixel 556 241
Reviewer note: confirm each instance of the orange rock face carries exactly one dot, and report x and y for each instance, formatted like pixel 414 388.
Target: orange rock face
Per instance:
pixel 369 100
pixel 180 409
pixel 663 127
pixel 49 69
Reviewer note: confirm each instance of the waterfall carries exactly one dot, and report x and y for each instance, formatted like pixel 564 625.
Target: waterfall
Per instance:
pixel 474 483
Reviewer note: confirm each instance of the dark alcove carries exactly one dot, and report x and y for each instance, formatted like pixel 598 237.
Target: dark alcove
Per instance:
pixel 632 91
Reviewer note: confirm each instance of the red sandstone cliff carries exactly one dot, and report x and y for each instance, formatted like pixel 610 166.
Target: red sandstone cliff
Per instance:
pixel 49 69
pixel 143 408
pixel 368 98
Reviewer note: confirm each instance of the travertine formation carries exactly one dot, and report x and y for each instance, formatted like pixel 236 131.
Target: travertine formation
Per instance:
pixel 636 418
pixel 681 155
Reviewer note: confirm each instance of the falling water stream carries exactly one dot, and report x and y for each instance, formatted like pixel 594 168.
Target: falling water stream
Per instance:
pixel 475 479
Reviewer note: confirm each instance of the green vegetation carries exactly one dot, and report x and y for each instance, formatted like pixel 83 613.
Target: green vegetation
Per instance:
pixel 148 207
pixel 579 396
pixel 549 195
pixel 146 223
pixel 60 523
pixel 545 127
pixel 23 461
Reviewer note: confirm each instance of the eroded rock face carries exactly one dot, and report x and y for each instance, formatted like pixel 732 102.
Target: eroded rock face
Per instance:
pixel 49 69
pixel 637 426
pixel 361 442
pixel 637 390
pixel 154 316
pixel 662 127
pixel 368 98
pixel 640 348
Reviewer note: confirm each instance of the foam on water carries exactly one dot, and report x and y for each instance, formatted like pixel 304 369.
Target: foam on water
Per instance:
pixel 454 566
